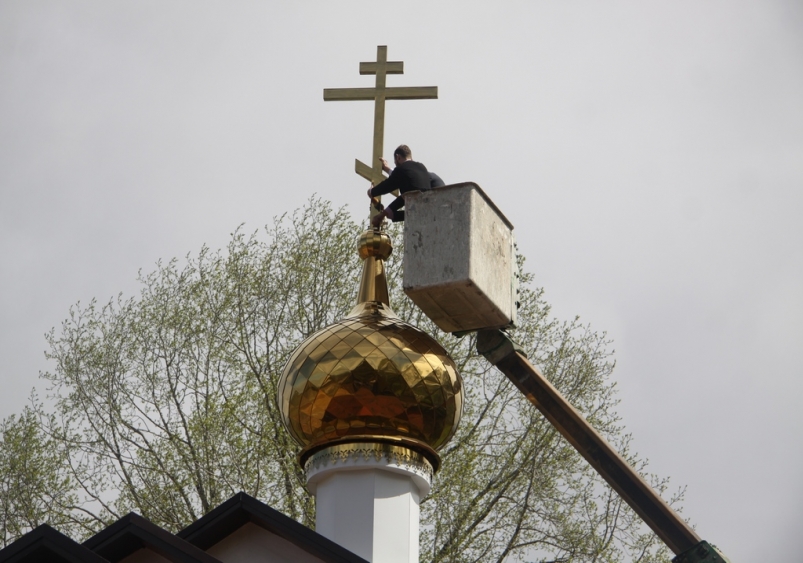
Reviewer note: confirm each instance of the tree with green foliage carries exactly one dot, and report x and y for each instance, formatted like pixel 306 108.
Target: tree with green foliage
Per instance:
pixel 35 484
pixel 165 404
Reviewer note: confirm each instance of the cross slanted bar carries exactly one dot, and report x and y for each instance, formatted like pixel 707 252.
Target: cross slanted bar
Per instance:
pixel 379 93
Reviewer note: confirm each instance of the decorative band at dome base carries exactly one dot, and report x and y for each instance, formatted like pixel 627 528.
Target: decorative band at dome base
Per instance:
pixel 369 455
pixel 418 447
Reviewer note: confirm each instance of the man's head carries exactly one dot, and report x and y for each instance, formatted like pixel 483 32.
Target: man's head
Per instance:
pixel 401 154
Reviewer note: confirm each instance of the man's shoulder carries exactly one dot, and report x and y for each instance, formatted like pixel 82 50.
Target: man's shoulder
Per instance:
pixel 435 181
pixel 414 165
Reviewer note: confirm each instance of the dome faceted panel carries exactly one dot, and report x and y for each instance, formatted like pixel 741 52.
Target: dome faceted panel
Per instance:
pixel 371 375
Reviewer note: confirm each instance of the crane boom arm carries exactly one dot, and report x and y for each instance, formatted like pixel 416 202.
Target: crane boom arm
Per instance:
pixel 501 351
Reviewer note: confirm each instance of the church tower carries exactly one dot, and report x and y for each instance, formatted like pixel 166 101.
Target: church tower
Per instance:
pixel 371 399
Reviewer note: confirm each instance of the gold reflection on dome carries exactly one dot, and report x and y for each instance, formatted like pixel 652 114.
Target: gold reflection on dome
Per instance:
pixel 371 375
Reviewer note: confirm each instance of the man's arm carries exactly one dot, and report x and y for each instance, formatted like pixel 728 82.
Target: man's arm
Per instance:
pixel 391 212
pixel 385 186
pixel 395 205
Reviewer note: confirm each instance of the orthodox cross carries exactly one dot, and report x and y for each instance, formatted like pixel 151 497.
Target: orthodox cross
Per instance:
pixel 379 93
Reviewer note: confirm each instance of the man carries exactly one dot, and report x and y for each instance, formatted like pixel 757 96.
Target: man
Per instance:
pixel 435 181
pixel 408 176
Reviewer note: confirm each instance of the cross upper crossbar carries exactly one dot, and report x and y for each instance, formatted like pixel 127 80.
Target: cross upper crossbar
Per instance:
pixel 379 93
pixel 391 67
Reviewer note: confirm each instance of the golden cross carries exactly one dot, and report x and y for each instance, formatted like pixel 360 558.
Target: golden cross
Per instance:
pixel 379 93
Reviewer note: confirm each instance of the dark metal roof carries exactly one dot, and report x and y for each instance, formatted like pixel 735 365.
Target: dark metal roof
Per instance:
pixel 46 545
pixel 133 532
pixel 242 508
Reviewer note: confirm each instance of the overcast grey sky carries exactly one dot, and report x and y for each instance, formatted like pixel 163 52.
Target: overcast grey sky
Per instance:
pixel 650 155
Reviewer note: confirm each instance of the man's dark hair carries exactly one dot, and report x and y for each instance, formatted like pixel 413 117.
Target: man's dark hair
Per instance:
pixel 404 152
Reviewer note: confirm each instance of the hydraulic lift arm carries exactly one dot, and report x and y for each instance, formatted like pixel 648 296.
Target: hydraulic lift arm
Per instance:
pixel 501 351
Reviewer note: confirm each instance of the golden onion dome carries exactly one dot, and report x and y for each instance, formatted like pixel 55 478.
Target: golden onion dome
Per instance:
pixel 371 376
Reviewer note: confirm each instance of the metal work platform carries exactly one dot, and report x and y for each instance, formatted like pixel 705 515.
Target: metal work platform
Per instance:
pixel 459 258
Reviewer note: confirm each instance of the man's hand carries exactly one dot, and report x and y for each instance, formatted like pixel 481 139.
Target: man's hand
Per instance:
pixel 385 167
pixel 379 217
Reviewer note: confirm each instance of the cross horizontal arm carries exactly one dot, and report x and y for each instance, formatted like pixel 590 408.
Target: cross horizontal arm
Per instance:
pixel 412 93
pixel 392 67
pixel 339 94
pixel 402 93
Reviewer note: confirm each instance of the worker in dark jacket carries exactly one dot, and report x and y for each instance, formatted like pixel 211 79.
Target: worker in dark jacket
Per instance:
pixel 408 176
pixel 435 181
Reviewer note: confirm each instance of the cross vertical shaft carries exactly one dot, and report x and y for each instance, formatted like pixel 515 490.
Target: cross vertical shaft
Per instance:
pixel 379 111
